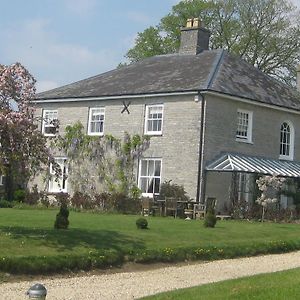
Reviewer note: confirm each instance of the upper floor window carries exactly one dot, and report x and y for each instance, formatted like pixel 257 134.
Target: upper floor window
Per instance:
pixel 150 176
pixel 96 121
pixel 59 184
pixel 154 119
pixel 48 126
pixel 286 141
pixel 244 126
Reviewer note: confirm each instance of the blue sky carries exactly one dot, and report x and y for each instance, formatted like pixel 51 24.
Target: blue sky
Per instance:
pixel 62 41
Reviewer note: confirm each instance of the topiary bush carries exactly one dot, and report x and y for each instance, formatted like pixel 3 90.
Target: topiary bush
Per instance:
pixel 62 221
pixel 210 218
pixel 141 223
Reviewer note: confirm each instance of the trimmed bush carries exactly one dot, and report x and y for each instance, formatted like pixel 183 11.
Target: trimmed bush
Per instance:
pixel 19 195
pixel 62 221
pixel 6 204
pixel 210 218
pixel 141 223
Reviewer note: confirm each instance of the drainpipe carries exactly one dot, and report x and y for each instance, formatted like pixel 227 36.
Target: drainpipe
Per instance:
pixel 200 181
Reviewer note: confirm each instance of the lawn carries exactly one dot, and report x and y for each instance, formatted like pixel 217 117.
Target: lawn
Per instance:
pixel 280 285
pixel 30 233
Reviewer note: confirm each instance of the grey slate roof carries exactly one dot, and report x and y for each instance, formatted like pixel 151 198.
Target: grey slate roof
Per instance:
pixel 212 70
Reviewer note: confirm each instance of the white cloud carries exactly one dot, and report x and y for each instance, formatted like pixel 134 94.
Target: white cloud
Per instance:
pixel 138 17
pixel 49 59
pixel 81 7
pixel 45 85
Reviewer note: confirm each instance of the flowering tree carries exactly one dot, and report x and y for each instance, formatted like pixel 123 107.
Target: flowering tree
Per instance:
pixel 23 150
pixel 269 187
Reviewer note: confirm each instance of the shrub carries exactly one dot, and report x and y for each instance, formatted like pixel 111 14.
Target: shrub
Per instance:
pixel 168 189
pixel 19 195
pixel 103 201
pixel 210 218
pixel 6 204
pixel 141 223
pixel 32 197
pixel 125 204
pixel 62 221
pixel 80 200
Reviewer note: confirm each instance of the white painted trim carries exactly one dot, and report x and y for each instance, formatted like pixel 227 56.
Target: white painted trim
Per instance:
pixel 1 180
pixel 139 174
pixel 44 121
pixel 114 97
pixel 253 102
pixel 89 121
pixel 65 190
pixel 292 141
pixel 248 138
pixel 151 133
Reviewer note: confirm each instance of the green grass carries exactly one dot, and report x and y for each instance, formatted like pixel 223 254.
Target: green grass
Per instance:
pixel 280 285
pixel 30 233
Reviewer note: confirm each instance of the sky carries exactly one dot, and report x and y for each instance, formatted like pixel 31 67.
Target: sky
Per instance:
pixel 63 41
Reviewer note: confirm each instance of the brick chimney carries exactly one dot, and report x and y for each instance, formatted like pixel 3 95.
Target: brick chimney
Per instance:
pixel 194 38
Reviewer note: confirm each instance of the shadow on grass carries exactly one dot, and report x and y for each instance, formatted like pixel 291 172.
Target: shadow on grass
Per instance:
pixel 72 238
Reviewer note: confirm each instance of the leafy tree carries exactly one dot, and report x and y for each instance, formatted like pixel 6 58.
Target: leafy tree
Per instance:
pixel 23 149
pixel 263 32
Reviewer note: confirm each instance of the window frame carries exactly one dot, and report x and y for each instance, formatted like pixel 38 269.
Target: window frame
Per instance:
pixel 44 123
pixel 151 132
pixel 248 137
pixel 63 177
pixel 91 109
pixel 1 180
pixel 290 156
pixel 141 177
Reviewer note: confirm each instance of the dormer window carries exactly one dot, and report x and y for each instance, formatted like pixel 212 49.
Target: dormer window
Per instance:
pixel 244 126
pixel 286 141
pixel 154 119
pixel 48 126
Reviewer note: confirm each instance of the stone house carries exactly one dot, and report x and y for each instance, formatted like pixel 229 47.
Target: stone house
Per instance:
pixel 211 116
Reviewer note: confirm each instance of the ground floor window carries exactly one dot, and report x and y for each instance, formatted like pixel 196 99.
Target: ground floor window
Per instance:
pixel 150 176
pixel 57 185
pixel 245 187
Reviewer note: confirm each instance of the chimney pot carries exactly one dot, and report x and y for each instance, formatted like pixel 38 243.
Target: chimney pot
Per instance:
pixel 189 23
pixel 194 38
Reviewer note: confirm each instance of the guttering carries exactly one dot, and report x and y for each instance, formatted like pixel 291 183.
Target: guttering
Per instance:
pixel 102 98
pixel 250 101
pixel 201 148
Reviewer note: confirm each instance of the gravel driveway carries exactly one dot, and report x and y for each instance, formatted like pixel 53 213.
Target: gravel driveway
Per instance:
pixel 133 285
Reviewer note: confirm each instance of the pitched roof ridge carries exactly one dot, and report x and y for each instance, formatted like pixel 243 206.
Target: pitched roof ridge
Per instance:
pixel 215 67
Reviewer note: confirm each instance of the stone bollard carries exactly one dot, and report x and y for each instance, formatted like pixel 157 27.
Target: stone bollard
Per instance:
pixel 37 291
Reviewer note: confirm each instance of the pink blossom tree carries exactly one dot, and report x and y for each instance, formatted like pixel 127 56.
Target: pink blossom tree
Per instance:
pixel 23 148
pixel 269 187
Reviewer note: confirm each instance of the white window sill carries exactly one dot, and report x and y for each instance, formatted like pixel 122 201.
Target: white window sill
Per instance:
pixel 153 133
pixel 49 135
pixel 148 195
pixel 243 141
pixel 282 157
pixel 95 134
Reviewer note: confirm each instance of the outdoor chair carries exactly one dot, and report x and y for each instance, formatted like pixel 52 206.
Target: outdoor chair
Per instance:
pixel 149 207
pixel 171 206
pixel 200 209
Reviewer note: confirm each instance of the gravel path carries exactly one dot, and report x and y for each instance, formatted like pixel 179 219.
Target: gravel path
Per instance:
pixel 133 285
